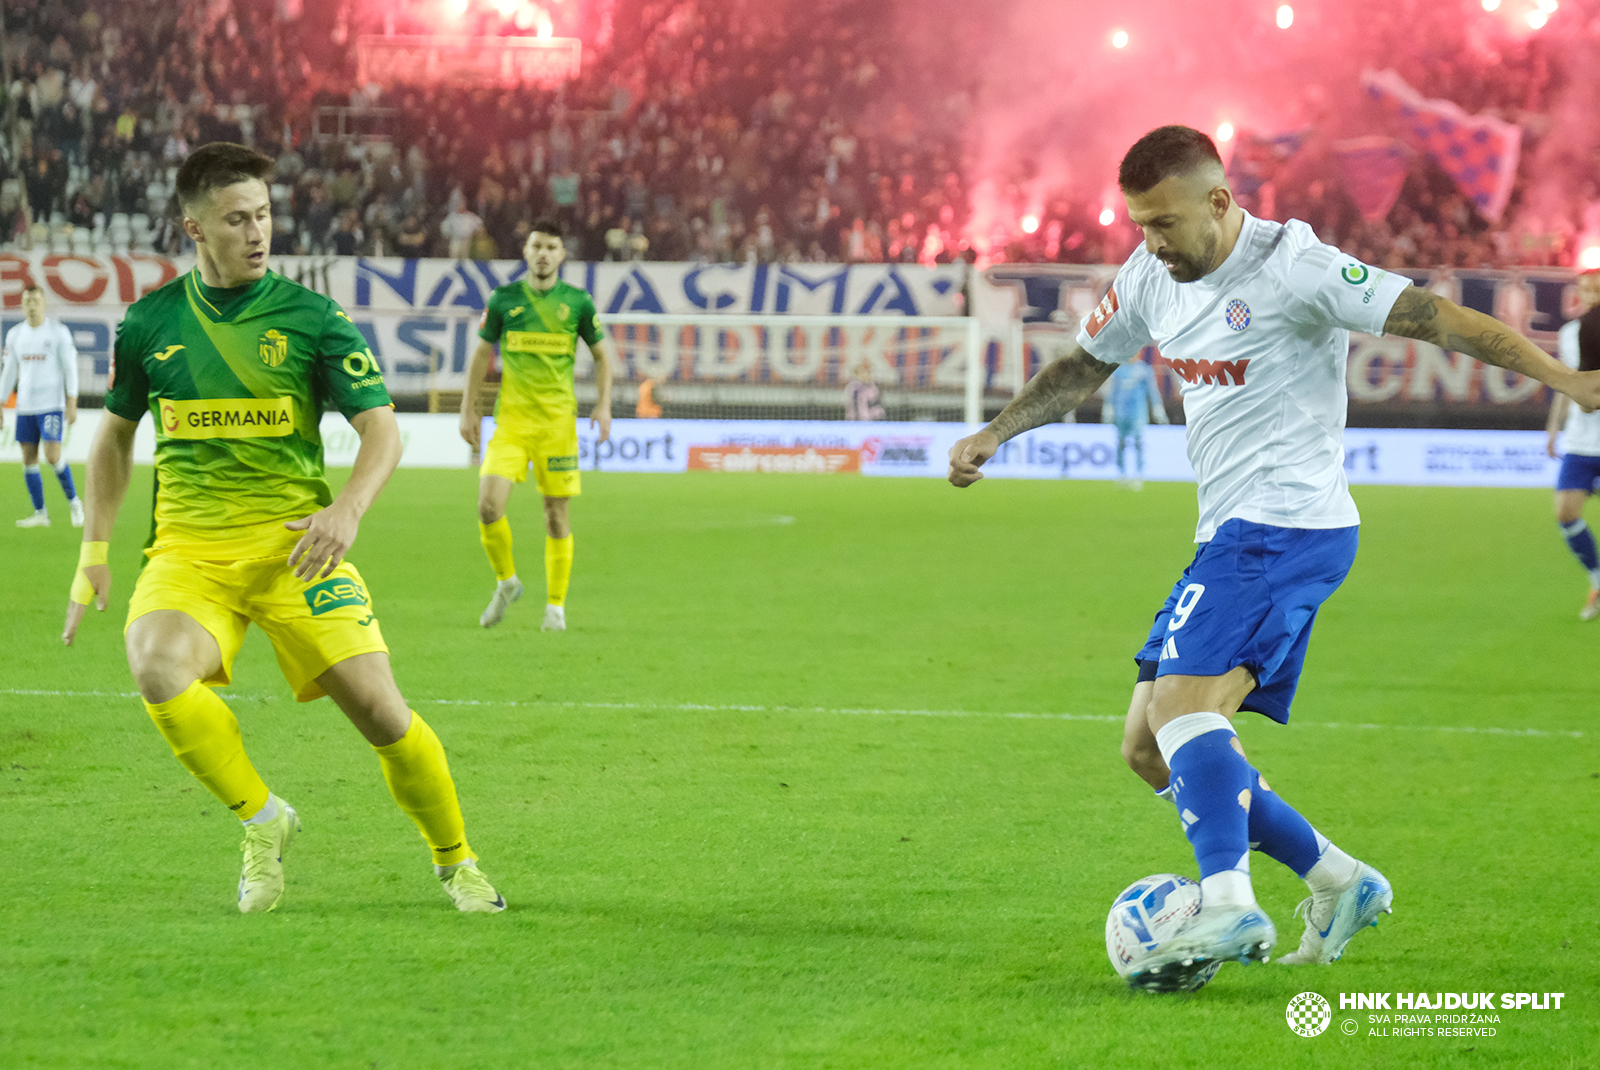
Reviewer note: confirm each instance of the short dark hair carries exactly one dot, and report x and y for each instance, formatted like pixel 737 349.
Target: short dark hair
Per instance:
pixel 219 164
pixel 549 226
pixel 1162 153
pixel 32 286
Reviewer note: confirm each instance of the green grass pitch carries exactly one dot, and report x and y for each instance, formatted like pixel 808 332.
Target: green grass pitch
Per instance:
pixel 824 774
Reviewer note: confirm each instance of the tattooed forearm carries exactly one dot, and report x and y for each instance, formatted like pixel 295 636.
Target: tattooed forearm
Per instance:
pixel 1501 347
pixel 1428 317
pixel 1052 393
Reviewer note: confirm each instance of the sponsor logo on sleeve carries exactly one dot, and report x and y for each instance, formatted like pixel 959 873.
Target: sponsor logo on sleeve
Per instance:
pixel 333 594
pixel 166 353
pixel 1102 313
pixel 1354 273
pixel 227 418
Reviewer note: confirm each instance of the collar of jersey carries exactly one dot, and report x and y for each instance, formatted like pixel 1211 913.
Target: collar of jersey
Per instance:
pixel 1229 268
pixel 234 300
pixel 537 295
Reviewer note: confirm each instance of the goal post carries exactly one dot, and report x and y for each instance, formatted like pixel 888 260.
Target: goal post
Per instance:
pixel 792 367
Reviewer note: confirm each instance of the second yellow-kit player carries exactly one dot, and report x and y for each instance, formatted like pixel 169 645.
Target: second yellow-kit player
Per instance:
pixel 536 322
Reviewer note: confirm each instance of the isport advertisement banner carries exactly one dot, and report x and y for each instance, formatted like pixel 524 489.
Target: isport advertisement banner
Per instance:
pixel 1401 456
pixel 1406 456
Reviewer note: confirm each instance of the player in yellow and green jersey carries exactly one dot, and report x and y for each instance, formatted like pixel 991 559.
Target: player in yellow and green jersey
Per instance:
pixel 236 364
pixel 536 321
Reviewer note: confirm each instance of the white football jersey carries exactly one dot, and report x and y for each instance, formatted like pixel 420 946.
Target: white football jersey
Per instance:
pixel 1583 428
pixel 41 364
pixel 1261 345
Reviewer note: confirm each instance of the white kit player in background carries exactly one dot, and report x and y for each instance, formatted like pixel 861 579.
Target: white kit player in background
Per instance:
pixel 1254 317
pixel 41 364
pixel 1579 346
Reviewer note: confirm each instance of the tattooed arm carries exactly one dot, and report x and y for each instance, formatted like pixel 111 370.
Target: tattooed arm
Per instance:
pixel 1050 395
pixel 1428 317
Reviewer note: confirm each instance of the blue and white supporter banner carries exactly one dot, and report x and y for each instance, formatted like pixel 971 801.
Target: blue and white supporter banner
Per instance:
pixel 420 317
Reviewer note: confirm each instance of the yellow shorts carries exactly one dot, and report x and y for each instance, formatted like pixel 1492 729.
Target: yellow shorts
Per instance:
pixel 552 449
pixel 313 624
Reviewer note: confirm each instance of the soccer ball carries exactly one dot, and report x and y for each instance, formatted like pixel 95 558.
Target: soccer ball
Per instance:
pixel 1147 914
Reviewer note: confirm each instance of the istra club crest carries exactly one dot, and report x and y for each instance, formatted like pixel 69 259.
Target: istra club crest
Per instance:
pixel 274 348
pixel 563 312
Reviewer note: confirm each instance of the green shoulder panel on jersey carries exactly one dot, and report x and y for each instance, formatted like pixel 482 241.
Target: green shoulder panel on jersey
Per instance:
pixel 237 381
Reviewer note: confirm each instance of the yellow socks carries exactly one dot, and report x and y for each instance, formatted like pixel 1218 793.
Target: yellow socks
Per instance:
pixel 418 776
pixel 204 735
pixel 496 539
pixel 557 568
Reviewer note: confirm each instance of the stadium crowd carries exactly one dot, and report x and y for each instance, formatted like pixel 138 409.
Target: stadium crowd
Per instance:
pixel 702 131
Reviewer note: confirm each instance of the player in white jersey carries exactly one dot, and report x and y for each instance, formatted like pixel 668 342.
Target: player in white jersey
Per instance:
pixel 1579 347
pixel 1254 317
pixel 41 364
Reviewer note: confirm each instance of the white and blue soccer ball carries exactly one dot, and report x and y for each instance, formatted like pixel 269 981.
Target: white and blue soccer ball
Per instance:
pixel 1147 914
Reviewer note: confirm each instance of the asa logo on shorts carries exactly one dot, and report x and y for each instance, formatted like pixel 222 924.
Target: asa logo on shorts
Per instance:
pixel 332 594
pixel 568 463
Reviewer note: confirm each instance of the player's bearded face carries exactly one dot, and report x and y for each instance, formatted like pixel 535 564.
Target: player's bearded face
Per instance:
pixel 232 232
pixel 1181 227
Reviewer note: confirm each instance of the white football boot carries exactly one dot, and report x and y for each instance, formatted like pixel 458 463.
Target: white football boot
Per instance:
pixel 76 506
pixel 1334 916
pixel 505 592
pixel 40 519
pixel 1212 937
pixel 1590 610
pixel 555 619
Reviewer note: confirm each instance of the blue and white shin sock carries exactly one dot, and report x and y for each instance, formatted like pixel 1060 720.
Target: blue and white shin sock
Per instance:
pixel 1580 540
pixel 30 476
pixel 64 477
pixel 1211 785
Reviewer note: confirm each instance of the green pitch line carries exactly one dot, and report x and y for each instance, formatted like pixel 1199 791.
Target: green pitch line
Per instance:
pixel 717 857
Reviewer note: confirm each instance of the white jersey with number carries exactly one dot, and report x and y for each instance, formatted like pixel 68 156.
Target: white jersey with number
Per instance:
pixel 1261 345
pixel 1583 428
pixel 41 364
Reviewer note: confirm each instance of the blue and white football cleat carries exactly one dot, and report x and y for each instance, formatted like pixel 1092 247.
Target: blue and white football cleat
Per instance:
pixel 1334 917
pixel 1215 936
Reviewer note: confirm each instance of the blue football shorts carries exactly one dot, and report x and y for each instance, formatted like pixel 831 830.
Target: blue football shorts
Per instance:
pixel 40 426
pixel 1249 598
pixel 1579 471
